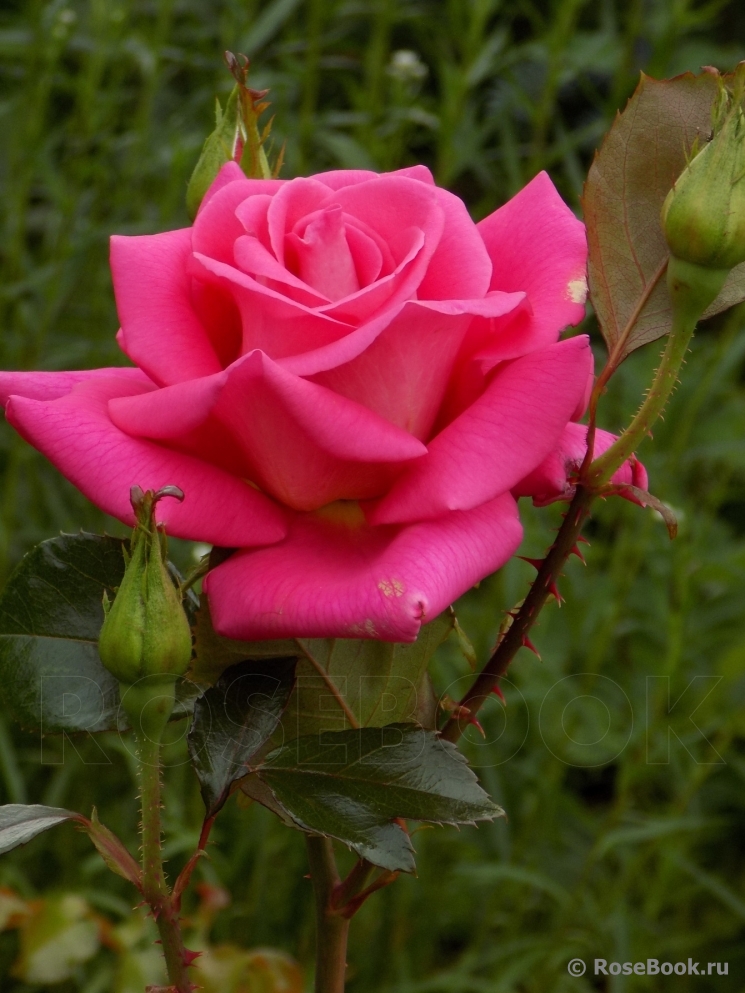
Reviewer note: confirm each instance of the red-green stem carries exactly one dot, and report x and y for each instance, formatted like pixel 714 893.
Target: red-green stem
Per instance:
pixel 332 929
pixel 514 637
pixel 154 886
pixel 692 290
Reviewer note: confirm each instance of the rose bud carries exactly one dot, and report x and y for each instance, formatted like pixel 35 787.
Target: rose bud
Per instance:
pixel 145 640
pixel 704 213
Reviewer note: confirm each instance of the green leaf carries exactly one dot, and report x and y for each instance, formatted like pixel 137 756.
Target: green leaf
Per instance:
pixel 340 682
pixel 20 822
pixel 640 158
pixel 51 613
pixel 233 720
pixel 50 617
pixel 350 785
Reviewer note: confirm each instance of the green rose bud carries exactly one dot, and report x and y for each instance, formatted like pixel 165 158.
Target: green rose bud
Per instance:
pixel 145 640
pixel 704 214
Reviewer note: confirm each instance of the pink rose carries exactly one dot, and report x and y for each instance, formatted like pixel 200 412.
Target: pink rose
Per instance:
pixel 350 381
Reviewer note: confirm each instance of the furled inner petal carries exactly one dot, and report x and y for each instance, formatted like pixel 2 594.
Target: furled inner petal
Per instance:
pixel 322 255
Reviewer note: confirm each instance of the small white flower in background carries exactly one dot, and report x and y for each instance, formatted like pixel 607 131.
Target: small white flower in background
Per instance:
pixel 406 66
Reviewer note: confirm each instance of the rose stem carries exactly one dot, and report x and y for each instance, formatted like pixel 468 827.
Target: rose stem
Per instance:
pixel 514 637
pixel 332 929
pixel 692 289
pixel 155 888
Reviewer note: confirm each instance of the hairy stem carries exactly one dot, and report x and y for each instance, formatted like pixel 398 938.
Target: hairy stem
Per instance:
pixel 692 289
pixel 155 888
pixel 332 929
pixel 513 639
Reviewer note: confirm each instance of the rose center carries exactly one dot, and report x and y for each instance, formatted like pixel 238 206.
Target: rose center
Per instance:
pixel 322 255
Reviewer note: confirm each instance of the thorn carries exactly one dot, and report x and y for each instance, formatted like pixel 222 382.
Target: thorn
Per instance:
pixel 307 876
pixel 190 957
pixel 536 563
pixel 529 644
pixel 461 713
pixel 578 553
pixel 553 589
pixel 581 538
pixel 476 724
pixel 497 691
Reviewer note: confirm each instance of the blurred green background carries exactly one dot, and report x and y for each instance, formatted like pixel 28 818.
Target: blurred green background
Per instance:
pixel 620 758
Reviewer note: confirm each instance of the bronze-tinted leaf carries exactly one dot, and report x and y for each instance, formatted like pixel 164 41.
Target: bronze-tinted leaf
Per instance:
pixel 641 157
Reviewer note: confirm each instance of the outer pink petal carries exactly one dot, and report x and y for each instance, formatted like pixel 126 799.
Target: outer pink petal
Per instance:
pixel 404 373
pixel 553 479
pixel 338 178
pixel 77 436
pixel 161 332
pixel 509 430
pixel 536 244
pixel 52 385
pixel 331 580
pixel 303 443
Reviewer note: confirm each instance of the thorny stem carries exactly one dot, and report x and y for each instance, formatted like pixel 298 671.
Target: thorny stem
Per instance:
pixel 332 928
pixel 154 886
pixel 691 294
pixel 514 637
pixel 692 290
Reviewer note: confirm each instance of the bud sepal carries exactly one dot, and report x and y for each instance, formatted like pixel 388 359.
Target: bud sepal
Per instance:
pixel 703 215
pixel 145 640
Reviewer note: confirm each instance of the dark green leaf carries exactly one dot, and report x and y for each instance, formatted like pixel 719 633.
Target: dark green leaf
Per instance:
pixel 20 822
pixel 50 617
pixel 340 682
pixel 233 720
pixel 51 614
pixel 351 785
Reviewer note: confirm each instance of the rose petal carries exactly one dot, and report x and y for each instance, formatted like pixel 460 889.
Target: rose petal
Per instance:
pixel 348 580
pixel 536 244
pixel 52 385
pixel 231 172
pixel 309 445
pixel 271 321
pixel 161 332
pixel 223 220
pixel 460 267
pixel 296 199
pixel 552 479
pixel 324 259
pixel 77 436
pixel 257 261
pixel 404 373
pixel 509 430
pixel 303 444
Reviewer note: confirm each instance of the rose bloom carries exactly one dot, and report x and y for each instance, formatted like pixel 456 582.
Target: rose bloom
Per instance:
pixel 350 381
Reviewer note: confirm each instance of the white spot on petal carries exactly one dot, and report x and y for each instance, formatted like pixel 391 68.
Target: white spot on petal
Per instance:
pixel 577 290
pixel 391 587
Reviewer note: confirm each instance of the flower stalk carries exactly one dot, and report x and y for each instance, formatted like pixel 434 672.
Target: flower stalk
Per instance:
pixel 155 888
pixel 332 927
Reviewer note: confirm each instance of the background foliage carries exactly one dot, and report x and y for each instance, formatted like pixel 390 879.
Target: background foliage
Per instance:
pixel 624 849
